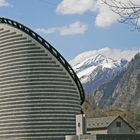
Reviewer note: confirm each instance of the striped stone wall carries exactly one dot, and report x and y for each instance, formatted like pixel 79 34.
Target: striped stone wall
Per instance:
pixel 38 97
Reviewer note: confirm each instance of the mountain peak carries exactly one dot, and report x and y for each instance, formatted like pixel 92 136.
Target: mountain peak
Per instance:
pixel 97 69
pixel 100 57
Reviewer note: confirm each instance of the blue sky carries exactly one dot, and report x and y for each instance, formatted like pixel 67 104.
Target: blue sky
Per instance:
pixel 72 26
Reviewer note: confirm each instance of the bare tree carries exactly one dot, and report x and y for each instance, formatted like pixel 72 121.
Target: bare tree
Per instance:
pixel 128 11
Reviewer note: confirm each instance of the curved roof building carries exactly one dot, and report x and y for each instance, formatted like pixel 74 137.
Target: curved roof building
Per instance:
pixel 39 92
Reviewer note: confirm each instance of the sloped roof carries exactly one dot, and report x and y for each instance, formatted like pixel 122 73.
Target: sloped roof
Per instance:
pixel 104 122
pixel 101 122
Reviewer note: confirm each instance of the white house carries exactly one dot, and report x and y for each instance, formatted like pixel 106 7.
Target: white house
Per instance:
pixel 108 125
pixel 111 128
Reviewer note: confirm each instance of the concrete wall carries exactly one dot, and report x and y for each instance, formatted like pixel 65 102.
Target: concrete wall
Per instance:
pixel 124 129
pixel 97 132
pixel 81 137
pixel 80 124
pixel 105 137
pixel 118 137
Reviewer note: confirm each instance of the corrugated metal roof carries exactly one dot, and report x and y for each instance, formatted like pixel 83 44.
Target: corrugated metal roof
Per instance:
pixel 101 122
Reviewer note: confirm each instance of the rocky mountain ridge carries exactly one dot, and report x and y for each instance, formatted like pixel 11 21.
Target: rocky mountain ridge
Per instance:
pixel 111 83
pixel 123 91
pixel 97 70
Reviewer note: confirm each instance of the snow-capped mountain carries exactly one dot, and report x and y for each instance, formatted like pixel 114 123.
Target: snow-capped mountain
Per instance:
pixel 109 75
pixel 95 70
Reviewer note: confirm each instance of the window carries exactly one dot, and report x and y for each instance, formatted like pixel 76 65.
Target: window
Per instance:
pixel 78 124
pixel 118 124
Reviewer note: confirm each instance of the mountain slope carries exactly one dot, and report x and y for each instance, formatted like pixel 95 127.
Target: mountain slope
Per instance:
pixel 103 95
pixel 127 92
pixel 97 70
pixel 122 91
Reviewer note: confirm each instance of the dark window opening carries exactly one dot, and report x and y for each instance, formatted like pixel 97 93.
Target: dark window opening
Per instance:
pixel 78 124
pixel 118 124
